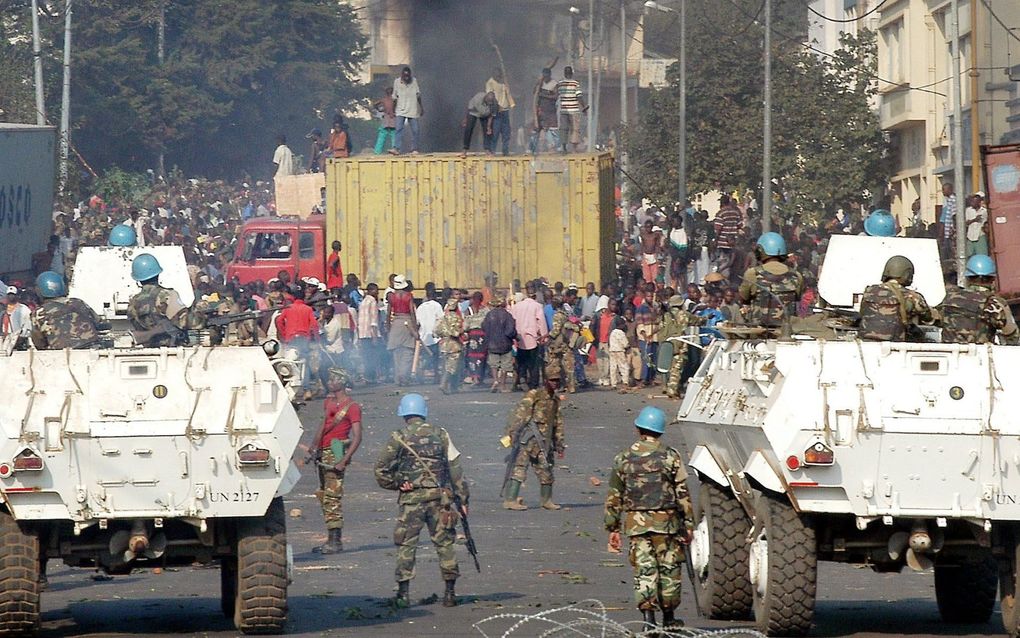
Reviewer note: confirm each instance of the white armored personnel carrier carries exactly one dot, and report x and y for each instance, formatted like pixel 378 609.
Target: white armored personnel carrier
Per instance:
pixel 128 458
pixel 889 455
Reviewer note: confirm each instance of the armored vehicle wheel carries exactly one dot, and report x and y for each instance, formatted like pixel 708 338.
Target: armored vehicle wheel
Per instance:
pixel 966 593
pixel 1009 588
pixel 261 606
pixel 719 554
pixel 19 579
pixel 228 586
pixel 783 567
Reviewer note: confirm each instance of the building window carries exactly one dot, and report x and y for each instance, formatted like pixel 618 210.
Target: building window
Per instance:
pixel 895 47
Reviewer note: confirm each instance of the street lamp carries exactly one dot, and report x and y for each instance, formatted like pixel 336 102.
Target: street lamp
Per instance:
pixel 682 62
pixel 574 11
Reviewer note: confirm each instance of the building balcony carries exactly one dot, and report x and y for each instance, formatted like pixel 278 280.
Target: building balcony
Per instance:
pixel 898 108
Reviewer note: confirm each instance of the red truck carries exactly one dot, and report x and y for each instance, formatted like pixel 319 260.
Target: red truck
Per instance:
pixel 1002 175
pixel 270 244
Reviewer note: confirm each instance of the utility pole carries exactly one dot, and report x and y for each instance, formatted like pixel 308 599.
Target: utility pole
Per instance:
pixel 975 129
pixel 766 157
pixel 624 203
pixel 161 55
pixel 591 77
pixel 40 103
pixel 957 147
pixel 65 100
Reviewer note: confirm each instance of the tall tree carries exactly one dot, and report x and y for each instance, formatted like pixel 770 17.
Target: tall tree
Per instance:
pixel 828 148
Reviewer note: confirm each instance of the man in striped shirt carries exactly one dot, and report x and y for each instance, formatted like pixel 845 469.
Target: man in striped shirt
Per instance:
pixel 729 221
pixel 572 105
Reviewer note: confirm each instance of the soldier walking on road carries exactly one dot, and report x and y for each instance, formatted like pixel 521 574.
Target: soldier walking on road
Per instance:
pixel 534 433
pixel 559 357
pixel 337 441
pixel 975 314
pixel 450 330
pixel 648 502
pixel 422 464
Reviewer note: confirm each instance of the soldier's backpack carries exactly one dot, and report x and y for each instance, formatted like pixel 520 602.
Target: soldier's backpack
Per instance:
pixel 883 314
pixel 964 318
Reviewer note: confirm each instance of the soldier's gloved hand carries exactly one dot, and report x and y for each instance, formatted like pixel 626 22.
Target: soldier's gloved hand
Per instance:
pixel 406 486
pixel 615 543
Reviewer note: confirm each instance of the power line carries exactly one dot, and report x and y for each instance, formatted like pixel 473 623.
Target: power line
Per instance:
pixel 999 20
pixel 848 20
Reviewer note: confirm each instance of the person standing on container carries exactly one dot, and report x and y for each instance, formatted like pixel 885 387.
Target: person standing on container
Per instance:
pixel 499 87
pixel 408 110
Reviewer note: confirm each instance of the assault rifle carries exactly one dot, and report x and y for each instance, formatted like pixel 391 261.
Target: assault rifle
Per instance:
pixel 216 320
pixel 468 539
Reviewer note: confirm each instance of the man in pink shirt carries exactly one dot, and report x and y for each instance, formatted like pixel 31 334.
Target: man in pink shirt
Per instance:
pixel 531 332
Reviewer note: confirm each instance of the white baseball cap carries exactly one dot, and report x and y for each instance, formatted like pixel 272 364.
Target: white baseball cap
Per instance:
pixel 12 290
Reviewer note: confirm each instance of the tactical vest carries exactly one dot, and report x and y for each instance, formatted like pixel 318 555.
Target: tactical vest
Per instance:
pixel 883 314
pixel 769 310
pixel 647 481
pixel 964 319
pixel 143 308
pixel 430 447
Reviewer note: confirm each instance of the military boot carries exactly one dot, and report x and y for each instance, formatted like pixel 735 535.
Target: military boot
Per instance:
pixel 450 597
pixel 403 598
pixel 547 502
pixel 669 621
pixel 513 490
pixel 649 618
pixel 334 545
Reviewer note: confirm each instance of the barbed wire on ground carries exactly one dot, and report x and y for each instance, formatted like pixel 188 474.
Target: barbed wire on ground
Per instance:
pixel 590 619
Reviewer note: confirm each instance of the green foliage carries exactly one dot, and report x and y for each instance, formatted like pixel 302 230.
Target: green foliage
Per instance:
pixel 827 146
pixel 235 73
pixel 125 188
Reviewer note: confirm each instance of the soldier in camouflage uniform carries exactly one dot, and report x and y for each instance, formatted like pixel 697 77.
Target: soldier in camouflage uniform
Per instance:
pixel 771 289
pixel 336 443
pixel 648 502
pixel 422 463
pixel 672 326
pixel 975 314
pixel 60 322
pixel 535 430
pixel 153 305
pixel 890 310
pixel 450 330
pixel 559 358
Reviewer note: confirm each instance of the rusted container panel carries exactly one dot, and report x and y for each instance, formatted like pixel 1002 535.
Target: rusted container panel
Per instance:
pixel 450 220
pixel 1002 175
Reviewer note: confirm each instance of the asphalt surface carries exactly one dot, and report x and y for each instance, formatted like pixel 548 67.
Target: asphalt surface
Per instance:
pixel 532 561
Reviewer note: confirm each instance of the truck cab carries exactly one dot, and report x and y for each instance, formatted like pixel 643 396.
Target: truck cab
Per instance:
pixel 270 244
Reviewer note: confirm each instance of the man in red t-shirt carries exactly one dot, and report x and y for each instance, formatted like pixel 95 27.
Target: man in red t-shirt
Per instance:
pixel 334 271
pixel 337 441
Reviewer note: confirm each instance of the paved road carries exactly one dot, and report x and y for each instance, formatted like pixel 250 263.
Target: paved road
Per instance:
pixel 531 561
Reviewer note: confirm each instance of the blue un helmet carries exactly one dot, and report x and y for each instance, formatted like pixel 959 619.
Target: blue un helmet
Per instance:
pixel 980 266
pixel 772 244
pixel 122 235
pixel 413 405
pixel 880 223
pixel 50 285
pixel 651 419
pixel 145 267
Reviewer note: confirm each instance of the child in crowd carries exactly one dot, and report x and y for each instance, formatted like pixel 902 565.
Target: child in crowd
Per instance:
pixel 619 368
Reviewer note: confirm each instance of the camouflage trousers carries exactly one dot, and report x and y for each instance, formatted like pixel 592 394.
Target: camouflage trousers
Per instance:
pixel 530 454
pixel 452 369
pixel 676 371
pixel 331 492
pixel 657 561
pixel 561 365
pixel 412 517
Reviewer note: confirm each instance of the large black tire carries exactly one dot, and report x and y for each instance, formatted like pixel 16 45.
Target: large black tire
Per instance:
pixel 787 604
pixel 724 588
pixel 1009 588
pixel 228 586
pixel 966 592
pixel 261 606
pixel 19 579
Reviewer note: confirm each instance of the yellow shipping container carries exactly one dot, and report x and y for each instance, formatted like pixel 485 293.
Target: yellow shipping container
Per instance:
pixel 449 220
